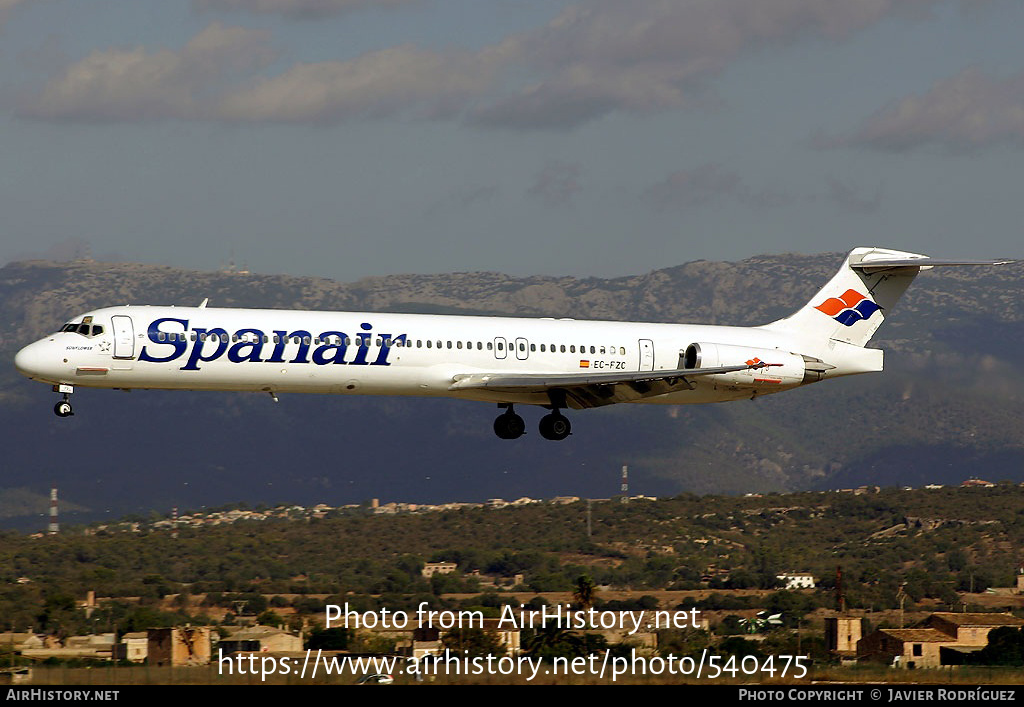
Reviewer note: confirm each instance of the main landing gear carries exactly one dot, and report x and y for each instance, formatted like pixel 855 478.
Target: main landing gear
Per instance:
pixel 555 426
pixel 509 425
pixel 63 408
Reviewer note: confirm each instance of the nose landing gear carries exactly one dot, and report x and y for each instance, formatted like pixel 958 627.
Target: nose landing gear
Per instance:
pixel 63 407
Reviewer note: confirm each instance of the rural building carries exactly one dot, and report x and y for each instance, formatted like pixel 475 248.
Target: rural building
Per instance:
pixel 92 646
pixel 260 638
pixel 940 640
pixel 19 641
pixel 432 568
pixel 842 634
pixel 178 646
pixel 970 629
pixel 133 647
pixel 797 581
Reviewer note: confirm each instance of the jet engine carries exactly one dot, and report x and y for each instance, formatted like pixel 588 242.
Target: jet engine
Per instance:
pixel 770 368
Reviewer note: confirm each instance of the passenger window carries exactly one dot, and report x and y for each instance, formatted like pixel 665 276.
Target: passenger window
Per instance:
pixel 622 351
pixel 428 343
pixel 458 344
pixel 490 346
pixel 572 348
pixel 563 348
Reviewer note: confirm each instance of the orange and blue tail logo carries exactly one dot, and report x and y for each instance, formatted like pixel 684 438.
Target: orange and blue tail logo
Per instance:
pixel 848 309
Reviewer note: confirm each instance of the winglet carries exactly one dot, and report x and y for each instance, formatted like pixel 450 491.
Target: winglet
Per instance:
pixel 202 305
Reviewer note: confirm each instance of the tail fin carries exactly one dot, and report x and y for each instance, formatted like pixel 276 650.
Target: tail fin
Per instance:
pixel 856 301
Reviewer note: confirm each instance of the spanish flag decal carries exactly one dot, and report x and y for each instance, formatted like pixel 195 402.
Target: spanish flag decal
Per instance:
pixel 584 364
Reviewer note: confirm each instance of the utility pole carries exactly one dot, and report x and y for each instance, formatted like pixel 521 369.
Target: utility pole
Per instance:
pixel 902 596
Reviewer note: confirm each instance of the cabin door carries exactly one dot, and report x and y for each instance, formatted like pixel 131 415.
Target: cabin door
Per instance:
pixel 646 355
pixel 124 336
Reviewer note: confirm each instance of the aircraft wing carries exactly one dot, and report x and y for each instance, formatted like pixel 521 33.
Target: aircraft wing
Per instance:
pixel 590 390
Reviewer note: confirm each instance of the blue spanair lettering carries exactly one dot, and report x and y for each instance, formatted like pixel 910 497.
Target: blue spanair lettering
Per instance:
pixel 212 344
pixel 321 357
pixel 303 337
pixel 280 341
pixel 220 336
pixel 177 346
pixel 254 347
pixel 387 342
pixel 364 345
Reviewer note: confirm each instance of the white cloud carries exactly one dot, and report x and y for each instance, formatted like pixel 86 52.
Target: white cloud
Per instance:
pixel 300 9
pixel 392 81
pixel 596 58
pixel 646 56
pixel 133 84
pixel 967 111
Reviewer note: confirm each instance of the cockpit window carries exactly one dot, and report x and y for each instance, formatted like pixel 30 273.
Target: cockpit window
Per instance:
pixel 83 329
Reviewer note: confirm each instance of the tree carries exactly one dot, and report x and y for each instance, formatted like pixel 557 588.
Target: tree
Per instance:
pixel 1005 647
pixel 584 592
pixel 554 641
pixel 330 639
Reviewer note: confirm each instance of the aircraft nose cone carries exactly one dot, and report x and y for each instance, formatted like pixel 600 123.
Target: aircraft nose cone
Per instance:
pixel 29 361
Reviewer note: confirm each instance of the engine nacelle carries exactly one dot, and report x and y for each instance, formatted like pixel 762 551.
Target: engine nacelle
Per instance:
pixel 784 369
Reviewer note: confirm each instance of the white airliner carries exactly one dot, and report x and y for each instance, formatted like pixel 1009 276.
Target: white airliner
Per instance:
pixel 553 363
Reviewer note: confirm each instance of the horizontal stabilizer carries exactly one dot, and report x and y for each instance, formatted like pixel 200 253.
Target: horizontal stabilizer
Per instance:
pixel 923 262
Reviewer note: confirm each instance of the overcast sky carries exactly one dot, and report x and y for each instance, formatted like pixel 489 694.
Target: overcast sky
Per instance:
pixel 347 138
